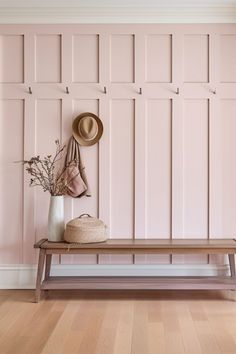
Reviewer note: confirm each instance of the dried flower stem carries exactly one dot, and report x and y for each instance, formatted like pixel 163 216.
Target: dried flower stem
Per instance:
pixel 48 174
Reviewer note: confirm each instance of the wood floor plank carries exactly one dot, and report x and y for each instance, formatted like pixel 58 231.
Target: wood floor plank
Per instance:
pixel 205 334
pixel 96 316
pixel 188 330
pixel 173 336
pixel 206 338
pixel 72 342
pixel 9 316
pixel 223 336
pixel 20 328
pixel 156 338
pixel 81 318
pixel 35 342
pixel 123 341
pixel 107 336
pixel 40 333
pixel 140 330
pixel 61 330
pixel 154 311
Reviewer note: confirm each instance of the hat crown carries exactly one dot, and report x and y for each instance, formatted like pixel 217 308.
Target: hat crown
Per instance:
pixel 88 128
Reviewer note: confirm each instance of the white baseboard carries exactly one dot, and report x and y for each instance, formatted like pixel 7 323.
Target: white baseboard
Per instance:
pixel 23 276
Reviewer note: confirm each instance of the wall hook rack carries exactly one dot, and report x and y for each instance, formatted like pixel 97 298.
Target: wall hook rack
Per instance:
pixel 177 91
pixel 67 90
pixel 140 91
pixel 105 89
pixel 30 91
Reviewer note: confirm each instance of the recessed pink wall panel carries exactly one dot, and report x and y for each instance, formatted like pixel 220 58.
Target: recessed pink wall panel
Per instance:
pixel 122 168
pixel 158 171
pixel 12 58
pixel 122 171
pixel 196 58
pixel 48 129
pixel 85 58
pixel 223 185
pixel 11 180
pixel 195 172
pixel 228 58
pixel 48 58
pixel 158 168
pixel 122 58
pixel 159 58
pixel 195 168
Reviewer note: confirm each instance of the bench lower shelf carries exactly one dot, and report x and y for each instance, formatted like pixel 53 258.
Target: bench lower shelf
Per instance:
pixel 161 283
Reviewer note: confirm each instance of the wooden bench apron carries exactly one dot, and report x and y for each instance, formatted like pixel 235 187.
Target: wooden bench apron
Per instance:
pixel 138 246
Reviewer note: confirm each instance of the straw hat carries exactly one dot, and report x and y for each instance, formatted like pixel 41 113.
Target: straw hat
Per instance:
pixel 87 129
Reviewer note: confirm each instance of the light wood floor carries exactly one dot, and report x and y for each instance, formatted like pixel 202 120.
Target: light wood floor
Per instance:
pixel 111 322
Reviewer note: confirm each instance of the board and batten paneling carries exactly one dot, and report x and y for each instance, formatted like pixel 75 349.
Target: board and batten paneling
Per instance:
pixel 122 61
pixel 122 129
pixel 196 58
pixel 12 58
pixel 228 58
pixel 11 180
pixel 195 166
pixel 85 64
pixel 165 166
pixel 158 58
pixel 195 152
pixel 48 58
pixel 158 122
pixel 224 170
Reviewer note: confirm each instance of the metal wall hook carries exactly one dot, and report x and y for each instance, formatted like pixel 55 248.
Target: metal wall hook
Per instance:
pixel 30 91
pixel 67 90
pixel 214 92
pixel 140 91
pixel 104 89
pixel 177 91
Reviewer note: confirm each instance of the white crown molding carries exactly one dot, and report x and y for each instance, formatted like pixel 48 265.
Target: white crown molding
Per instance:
pixel 115 3
pixel 135 14
pixel 23 276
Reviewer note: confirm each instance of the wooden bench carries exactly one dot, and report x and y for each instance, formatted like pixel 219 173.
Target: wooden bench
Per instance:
pixel 138 246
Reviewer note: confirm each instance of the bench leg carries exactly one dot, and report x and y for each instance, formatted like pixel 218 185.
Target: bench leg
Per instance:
pixel 48 265
pixel 232 265
pixel 39 274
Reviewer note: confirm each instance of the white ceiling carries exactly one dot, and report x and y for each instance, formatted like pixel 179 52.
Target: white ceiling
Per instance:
pixel 117 11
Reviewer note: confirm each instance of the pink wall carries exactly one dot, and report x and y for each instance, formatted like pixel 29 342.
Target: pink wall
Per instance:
pixel 166 164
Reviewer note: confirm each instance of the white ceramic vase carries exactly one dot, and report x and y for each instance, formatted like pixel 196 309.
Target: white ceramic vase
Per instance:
pixel 56 223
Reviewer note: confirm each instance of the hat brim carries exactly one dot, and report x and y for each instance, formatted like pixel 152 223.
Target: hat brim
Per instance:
pixel 80 138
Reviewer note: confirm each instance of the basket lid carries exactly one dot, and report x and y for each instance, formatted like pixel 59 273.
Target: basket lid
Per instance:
pixel 85 220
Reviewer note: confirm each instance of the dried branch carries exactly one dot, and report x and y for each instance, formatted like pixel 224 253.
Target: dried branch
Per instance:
pixel 47 173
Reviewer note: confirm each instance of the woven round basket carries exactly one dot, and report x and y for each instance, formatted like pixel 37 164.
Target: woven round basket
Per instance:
pixel 85 229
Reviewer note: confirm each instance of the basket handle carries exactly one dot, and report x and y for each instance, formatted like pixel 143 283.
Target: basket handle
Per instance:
pixel 87 215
